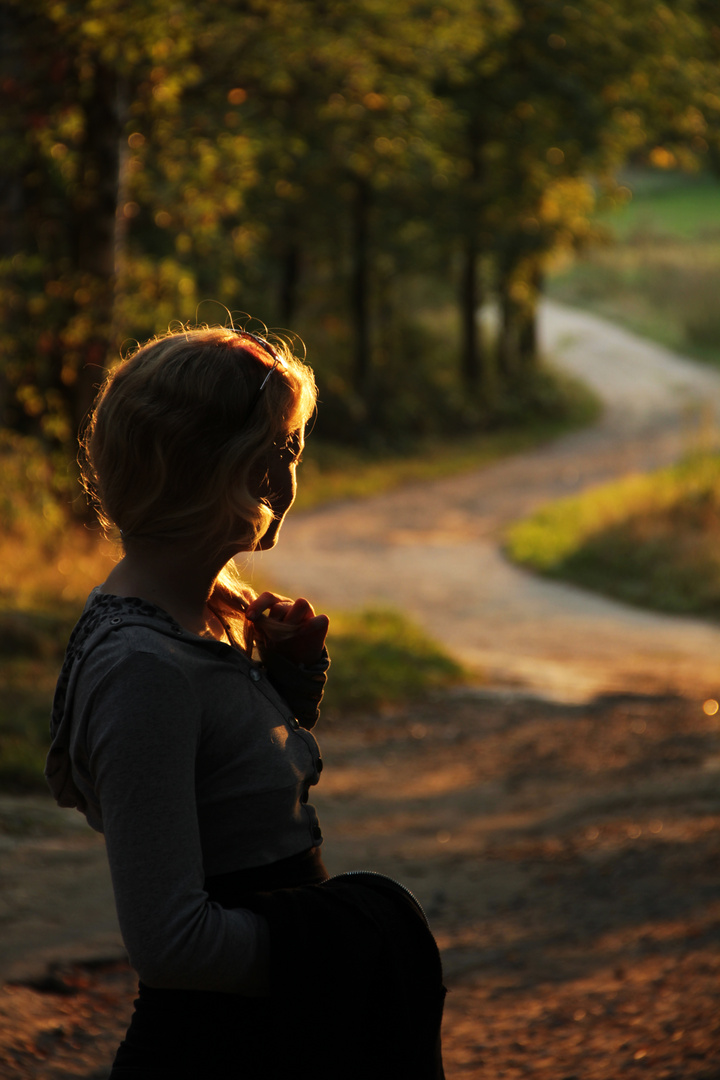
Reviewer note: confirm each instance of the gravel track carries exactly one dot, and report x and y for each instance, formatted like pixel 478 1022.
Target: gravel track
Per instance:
pixel 434 549
pixel 565 845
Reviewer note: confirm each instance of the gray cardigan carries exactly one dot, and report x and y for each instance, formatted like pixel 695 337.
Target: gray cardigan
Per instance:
pixel 185 755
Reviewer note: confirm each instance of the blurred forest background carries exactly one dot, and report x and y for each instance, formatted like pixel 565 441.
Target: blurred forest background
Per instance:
pixel 366 174
pixel 371 175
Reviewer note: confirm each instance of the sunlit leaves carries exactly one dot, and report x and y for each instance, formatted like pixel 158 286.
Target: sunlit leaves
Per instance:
pixel 248 129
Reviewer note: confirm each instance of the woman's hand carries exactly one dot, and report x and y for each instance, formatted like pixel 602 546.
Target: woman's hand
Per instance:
pixel 288 627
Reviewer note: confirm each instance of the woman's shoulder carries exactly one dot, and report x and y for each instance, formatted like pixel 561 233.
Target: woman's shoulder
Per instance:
pixel 115 631
pixel 116 628
pixel 105 613
pixel 106 607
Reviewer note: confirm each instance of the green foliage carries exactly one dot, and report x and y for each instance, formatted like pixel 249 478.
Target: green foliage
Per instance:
pixel 29 489
pixel 26 687
pixel 414 399
pixel 330 471
pixel 650 540
pixel 67 68
pixel 380 657
pixel 662 276
pixel 48 559
pixel 304 162
pixel 22 759
pixel 664 204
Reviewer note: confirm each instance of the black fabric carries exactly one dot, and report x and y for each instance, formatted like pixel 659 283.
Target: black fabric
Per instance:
pixel 372 990
pixel 356 992
pixel 303 685
pixel 201 1035
pixel 232 889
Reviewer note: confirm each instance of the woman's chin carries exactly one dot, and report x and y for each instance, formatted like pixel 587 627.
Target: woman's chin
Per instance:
pixel 269 539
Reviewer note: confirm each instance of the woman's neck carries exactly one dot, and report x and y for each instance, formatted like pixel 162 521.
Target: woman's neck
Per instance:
pixel 176 578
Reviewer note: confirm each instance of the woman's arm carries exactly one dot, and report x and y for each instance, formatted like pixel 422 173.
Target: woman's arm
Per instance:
pixel 143 736
pixel 301 685
pixel 291 641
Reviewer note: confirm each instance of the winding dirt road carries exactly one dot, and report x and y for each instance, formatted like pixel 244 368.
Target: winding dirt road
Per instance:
pixel 566 853
pixel 434 549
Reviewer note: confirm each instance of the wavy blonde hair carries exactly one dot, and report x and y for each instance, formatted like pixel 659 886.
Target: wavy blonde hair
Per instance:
pixel 177 442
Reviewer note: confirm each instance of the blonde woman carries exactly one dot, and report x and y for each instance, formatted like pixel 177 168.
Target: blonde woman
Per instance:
pixel 181 729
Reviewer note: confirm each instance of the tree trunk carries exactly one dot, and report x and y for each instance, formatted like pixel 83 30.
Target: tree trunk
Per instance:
pixel 359 290
pixel 476 376
pixel 473 359
pixel 507 333
pixel 12 196
pixel 289 280
pixel 528 351
pixel 96 212
pixel 527 336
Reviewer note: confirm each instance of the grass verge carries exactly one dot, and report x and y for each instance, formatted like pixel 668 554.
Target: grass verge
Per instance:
pixel 649 540
pixel 379 658
pixel 330 472
pixel 26 691
pixel 661 275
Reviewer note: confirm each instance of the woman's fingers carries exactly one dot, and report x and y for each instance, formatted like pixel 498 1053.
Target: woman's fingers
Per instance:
pixel 281 608
pixel 299 612
pixel 305 644
pixel 263 603
pixel 314 635
pixel 305 632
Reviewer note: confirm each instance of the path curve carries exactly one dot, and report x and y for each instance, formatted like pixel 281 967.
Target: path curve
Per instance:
pixel 433 549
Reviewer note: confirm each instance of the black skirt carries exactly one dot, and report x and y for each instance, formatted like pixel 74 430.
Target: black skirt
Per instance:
pixel 206 1035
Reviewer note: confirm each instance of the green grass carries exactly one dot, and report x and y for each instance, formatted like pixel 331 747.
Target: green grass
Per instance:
pixel 26 690
pixel 31 651
pixel 667 204
pixel 661 276
pixel 649 540
pixel 380 657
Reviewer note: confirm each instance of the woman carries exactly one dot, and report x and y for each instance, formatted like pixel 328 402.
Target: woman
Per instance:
pixel 180 723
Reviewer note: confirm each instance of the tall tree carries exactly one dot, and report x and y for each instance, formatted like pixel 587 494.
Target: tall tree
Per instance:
pixel 73 68
pixel 567 96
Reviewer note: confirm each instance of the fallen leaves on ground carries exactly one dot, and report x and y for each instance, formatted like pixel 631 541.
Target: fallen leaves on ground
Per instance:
pixel 568 857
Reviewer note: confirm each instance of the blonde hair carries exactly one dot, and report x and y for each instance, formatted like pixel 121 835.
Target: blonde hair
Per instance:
pixel 176 445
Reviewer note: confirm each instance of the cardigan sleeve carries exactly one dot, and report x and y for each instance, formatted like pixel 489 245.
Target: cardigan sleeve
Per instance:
pixel 301 685
pixel 142 734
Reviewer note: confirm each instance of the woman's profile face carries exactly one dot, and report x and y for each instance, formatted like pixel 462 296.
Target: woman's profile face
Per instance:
pixel 280 487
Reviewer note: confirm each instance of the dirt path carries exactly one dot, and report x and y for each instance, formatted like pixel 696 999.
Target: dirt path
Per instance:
pixel 567 857
pixel 433 549
pixel 565 851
